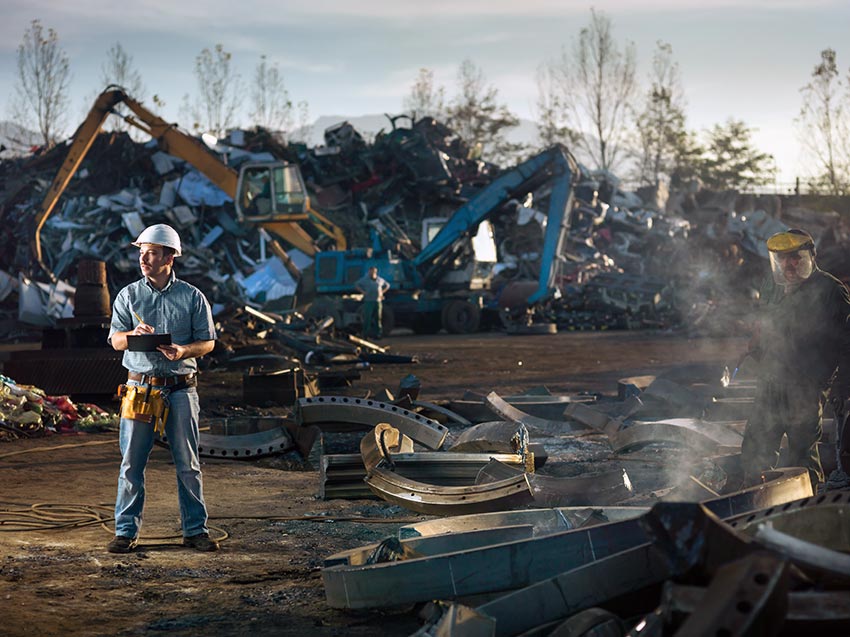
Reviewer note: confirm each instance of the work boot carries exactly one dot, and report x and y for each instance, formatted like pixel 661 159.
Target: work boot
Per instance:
pixel 201 542
pixel 121 544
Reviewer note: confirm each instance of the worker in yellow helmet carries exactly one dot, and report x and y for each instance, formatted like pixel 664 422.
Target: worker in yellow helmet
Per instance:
pixel 803 338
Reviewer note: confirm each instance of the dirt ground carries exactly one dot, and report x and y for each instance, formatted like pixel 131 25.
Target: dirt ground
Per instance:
pixel 266 580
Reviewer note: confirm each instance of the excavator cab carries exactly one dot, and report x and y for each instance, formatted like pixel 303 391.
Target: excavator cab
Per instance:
pixel 268 190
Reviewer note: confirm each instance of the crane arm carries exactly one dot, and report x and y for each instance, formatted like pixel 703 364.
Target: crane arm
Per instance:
pixel 554 164
pixel 170 138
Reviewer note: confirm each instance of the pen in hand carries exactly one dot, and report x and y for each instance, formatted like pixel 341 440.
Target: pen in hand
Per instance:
pixel 142 327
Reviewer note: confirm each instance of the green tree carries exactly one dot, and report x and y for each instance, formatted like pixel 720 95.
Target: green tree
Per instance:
pixel 660 126
pixel 41 92
pixel 730 161
pixel 272 108
pixel 425 98
pixel 478 118
pixel 823 125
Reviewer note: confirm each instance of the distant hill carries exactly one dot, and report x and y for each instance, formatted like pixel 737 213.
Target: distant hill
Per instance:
pixel 17 140
pixel 371 125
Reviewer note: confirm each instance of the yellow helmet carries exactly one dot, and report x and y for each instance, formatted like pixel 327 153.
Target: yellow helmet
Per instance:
pixel 791 240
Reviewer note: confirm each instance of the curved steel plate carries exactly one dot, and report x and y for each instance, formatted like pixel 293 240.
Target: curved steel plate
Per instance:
pixel 437 500
pixel 506 411
pixel 252 445
pixel 362 411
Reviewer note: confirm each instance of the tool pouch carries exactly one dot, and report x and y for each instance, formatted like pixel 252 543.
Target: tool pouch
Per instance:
pixel 142 403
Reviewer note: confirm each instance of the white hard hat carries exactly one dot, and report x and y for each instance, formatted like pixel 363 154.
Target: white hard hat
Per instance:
pixel 161 235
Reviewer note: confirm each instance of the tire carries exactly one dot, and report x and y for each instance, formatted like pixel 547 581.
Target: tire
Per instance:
pixel 461 317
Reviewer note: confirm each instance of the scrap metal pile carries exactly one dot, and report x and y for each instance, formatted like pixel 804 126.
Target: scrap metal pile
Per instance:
pixel 681 548
pixel 628 263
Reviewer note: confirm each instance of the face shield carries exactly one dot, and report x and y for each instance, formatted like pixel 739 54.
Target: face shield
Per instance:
pixel 791 268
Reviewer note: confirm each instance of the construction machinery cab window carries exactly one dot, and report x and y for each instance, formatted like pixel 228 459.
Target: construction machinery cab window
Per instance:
pixel 271 189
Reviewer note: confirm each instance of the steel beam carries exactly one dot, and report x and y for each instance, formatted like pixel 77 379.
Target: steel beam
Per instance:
pixel 516 564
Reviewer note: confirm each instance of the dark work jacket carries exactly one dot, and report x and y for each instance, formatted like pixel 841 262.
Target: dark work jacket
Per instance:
pixel 805 334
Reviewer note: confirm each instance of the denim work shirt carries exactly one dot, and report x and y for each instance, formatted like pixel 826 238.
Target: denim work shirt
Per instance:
pixel 179 309
pixel 373 289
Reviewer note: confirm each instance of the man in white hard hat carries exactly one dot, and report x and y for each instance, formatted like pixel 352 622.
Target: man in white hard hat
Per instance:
pixel 161 389
pixel 802 347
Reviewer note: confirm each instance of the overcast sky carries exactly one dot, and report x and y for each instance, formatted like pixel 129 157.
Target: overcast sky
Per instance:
pixel 745 59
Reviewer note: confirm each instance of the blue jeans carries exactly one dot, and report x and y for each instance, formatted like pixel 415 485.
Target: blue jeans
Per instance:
pixel 136 441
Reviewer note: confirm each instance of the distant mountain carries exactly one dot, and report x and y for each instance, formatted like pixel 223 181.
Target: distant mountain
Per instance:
pixel 16 139
pixel 371 125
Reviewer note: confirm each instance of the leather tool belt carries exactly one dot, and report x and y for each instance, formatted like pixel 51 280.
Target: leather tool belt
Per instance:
pixel 186 380
pixel 143 403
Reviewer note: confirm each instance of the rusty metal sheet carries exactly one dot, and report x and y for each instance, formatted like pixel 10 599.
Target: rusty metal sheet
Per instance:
pixel 362 411
pixel 506 411
pixel 608 487
pixel 748 596
pixel 809 612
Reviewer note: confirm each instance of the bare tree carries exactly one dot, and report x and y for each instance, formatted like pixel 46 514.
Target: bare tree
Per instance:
pixel 119 70
pixel 426 99
pixel 597 82
pixel 551 128
pixel 478 118
pixel 219 92
pixel 41 92
pixel 822 123
pixel 303 129
pixel 661 124
pixel 272 108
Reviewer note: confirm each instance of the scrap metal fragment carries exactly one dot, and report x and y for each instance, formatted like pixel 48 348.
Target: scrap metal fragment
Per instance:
pixel 498 435
pixel 700 435
pixel 377 449
pixel 321 410
pixel 453 416
pixel 574 590
pixel 748 596
pixel 506 411
pixel 435 500
pixel 809 612
pixel 608 487
pixel 542 521
pixel 515 564
pixel 341 475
